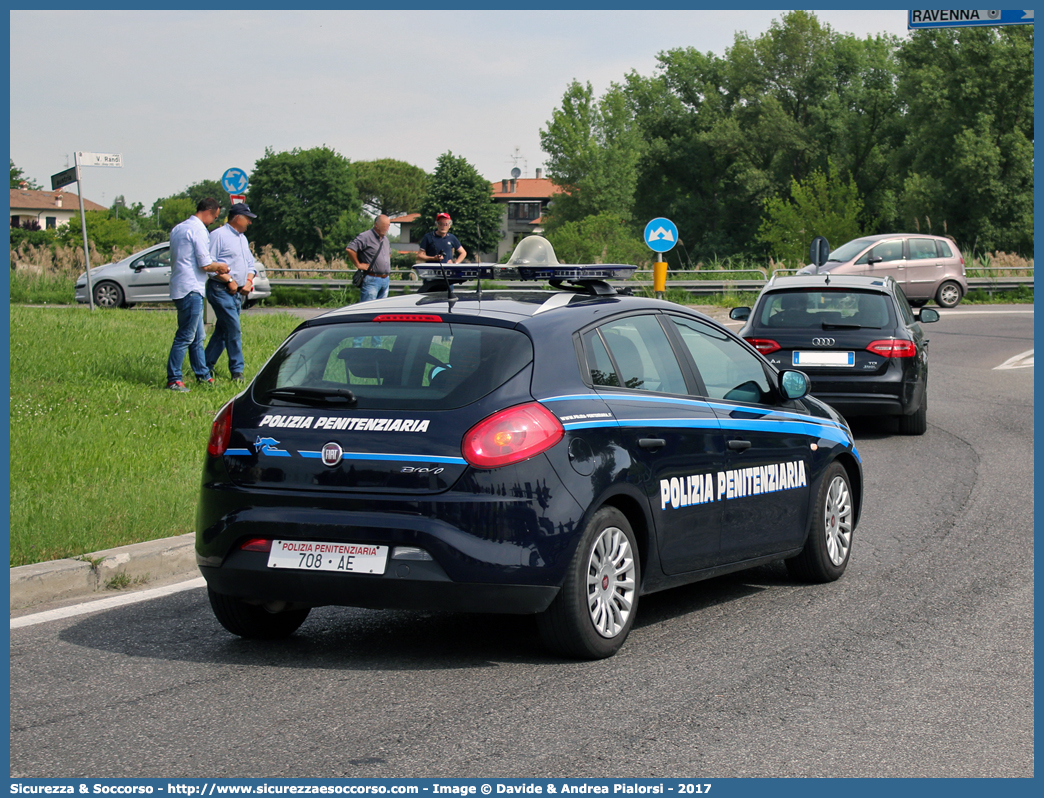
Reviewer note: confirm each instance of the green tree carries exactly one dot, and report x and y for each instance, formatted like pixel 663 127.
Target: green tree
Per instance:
pixel 390 187
pixel 593 150
pixel 208 188
pixel 104 232
pixel 604 238
pixel 967 160
pixel 170 211
pixel 307 199
pixel 18 177
pixel 723 134
pixel 457 188
pixel 820 205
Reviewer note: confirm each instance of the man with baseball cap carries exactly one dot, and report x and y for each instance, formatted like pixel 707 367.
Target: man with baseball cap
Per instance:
pixel 227 292
pixel 439 245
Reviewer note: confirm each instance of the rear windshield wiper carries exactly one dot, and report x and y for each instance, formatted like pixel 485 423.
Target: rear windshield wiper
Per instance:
pixel 826 325
pixel 315 396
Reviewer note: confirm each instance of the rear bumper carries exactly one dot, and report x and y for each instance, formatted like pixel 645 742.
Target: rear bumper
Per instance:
pixel 855 404
pixel 404 586
pixel 501 542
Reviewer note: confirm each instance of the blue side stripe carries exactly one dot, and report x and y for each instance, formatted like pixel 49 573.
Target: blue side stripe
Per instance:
pixel 238 452
pixel 699 403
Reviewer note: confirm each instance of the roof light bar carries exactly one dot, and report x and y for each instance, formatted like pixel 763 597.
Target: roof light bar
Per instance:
pixel 533 259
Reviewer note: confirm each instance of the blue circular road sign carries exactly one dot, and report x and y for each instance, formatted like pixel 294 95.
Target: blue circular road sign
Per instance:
pixel 661 234
pixel 234 181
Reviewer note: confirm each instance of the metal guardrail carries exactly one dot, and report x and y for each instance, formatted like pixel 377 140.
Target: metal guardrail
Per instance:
pixel 698 287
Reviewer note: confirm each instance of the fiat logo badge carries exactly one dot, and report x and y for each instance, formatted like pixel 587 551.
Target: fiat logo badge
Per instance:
pixel 332 454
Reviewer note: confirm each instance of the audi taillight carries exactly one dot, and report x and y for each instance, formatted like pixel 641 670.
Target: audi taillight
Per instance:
pixel 892 348
pixel 763 345
pixel 511 436
pixel 220 432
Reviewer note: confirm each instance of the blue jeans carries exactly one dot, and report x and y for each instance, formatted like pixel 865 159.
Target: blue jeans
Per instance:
pixel 189 336
pixel 374 287
pixel 227 332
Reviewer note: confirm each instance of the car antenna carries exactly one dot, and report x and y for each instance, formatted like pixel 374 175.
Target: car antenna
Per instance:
pixel 449 286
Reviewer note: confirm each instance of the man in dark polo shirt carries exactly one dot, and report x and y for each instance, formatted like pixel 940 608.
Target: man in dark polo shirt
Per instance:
pixel 440 245
pixel 371 252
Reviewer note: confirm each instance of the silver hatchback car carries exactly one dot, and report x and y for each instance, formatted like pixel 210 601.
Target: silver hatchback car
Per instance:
pixel 145 277
pixel 926 267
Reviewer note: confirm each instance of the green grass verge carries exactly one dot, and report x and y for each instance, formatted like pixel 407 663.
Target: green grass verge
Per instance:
pixel 101 454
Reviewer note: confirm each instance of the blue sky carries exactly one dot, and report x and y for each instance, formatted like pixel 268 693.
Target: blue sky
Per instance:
pixel 184 95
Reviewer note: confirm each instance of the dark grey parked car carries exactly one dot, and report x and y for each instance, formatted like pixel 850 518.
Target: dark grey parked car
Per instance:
pixel 925 267
pixel 145 277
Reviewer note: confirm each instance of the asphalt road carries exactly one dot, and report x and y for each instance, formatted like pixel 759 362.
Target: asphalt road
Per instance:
pixel 919 662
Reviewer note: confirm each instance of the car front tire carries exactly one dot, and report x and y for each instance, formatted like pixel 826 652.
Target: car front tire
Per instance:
pixel 948 295
pixel 108 295
pixel 253 620
pixel 829 544
pixel 594 611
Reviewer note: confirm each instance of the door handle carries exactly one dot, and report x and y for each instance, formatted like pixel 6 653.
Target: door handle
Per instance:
pixel 651 443
pixel 737 445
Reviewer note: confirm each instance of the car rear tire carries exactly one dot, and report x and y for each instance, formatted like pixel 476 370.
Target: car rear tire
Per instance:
pixel 829 544
pixel 948 295
pixel 594 611
pixel 253 620
pixel 917 422
pixel 108 295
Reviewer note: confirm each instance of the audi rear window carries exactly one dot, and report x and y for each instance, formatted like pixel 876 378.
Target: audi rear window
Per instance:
pixel 393 366
pixel 823 308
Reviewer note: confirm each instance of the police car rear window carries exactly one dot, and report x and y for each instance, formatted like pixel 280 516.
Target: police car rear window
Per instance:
pixel 396 366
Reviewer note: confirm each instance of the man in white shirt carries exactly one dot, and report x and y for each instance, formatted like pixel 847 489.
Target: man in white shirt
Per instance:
pixel 227 292
pixel 190 262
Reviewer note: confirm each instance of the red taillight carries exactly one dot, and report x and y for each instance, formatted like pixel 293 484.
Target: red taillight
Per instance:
pixel 256 544
pixel 407 317
pixel 763 345
pixel 220 432
pixel 893 348
pixel 511 436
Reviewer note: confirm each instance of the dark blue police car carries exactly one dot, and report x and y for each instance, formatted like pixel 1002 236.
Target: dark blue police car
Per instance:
pixel 557 453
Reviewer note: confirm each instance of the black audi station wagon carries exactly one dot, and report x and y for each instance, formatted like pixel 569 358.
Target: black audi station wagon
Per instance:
pixel 557 453
pixel 856 337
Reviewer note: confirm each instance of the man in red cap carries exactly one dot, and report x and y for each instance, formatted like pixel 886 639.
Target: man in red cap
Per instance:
pixel 440 245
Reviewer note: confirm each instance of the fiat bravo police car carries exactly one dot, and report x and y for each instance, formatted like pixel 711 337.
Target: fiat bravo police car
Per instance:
pixel 556 453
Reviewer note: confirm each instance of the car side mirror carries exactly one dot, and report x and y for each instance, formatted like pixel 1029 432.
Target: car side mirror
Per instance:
pixel 739 314
pixel 872 260
pixel 794 384
pixel 928 315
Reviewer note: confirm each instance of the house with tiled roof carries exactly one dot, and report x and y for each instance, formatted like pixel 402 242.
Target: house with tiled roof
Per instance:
pixel 48 208
pixel 524 202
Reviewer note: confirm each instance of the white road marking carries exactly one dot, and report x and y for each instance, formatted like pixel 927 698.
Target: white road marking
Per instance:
pixel 106 603
pixel 1022 361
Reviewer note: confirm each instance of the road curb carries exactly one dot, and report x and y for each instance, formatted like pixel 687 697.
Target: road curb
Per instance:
pixel 91 576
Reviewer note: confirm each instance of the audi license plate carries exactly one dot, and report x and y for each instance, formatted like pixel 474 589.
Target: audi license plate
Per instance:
pixel 305 555
pixel 842 359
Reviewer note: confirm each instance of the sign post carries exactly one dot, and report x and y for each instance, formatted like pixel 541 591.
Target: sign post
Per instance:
pixel 660 236
pixel 73 175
